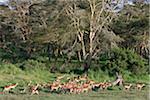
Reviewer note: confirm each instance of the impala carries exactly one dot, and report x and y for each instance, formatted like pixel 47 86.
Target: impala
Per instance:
pixel 127 87
pixel 8 88
pixel 34 89
pixel 140 86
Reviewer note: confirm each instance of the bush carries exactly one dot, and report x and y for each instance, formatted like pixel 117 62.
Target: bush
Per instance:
pixel 9 69
pixel 99 75
pixel 32 64
pixel 121 59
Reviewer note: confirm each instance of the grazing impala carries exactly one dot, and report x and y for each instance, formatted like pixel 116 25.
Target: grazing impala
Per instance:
pixel 96 85
pixel 127 87
pixel 55 85
pixel 8 88
pixel 86 87
pixel 140 86
pixel 106 85
pixel 78 90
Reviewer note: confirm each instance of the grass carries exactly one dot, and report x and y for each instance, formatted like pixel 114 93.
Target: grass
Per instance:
pixel 10 73
pixel 101 95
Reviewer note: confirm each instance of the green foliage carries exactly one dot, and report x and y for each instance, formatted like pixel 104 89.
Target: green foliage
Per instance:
pixel 11 73
pixel 42 59
pixel 13 53
pixel 99 75
pixel 49 23
pixel 32 64
pixel 9 69
pixel 132 78
pixel 133 26
pixel 121 59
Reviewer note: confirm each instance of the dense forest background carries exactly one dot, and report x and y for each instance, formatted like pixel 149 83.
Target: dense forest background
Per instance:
pixel 74 36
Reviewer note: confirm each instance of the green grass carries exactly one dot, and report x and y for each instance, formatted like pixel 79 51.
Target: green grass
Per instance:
pixel 102 95
pixel 10 73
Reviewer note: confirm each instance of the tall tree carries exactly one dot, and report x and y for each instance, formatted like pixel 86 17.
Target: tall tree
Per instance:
pixel 133 26
pixel 91 23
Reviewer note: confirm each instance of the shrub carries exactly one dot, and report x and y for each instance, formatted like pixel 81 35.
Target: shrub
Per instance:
pixel 121 59
pixel 99 75
pixel 9 69
pixel 42 59
pixel 32 64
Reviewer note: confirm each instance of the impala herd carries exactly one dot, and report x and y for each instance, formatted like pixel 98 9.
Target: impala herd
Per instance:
pixel 75 85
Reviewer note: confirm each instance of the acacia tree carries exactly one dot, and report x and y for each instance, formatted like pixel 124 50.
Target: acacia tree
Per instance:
pixel 91 23
pixel 19 29
pixel 133 26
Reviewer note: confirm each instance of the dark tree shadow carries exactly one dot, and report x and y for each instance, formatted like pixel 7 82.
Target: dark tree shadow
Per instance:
pixel 77 71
